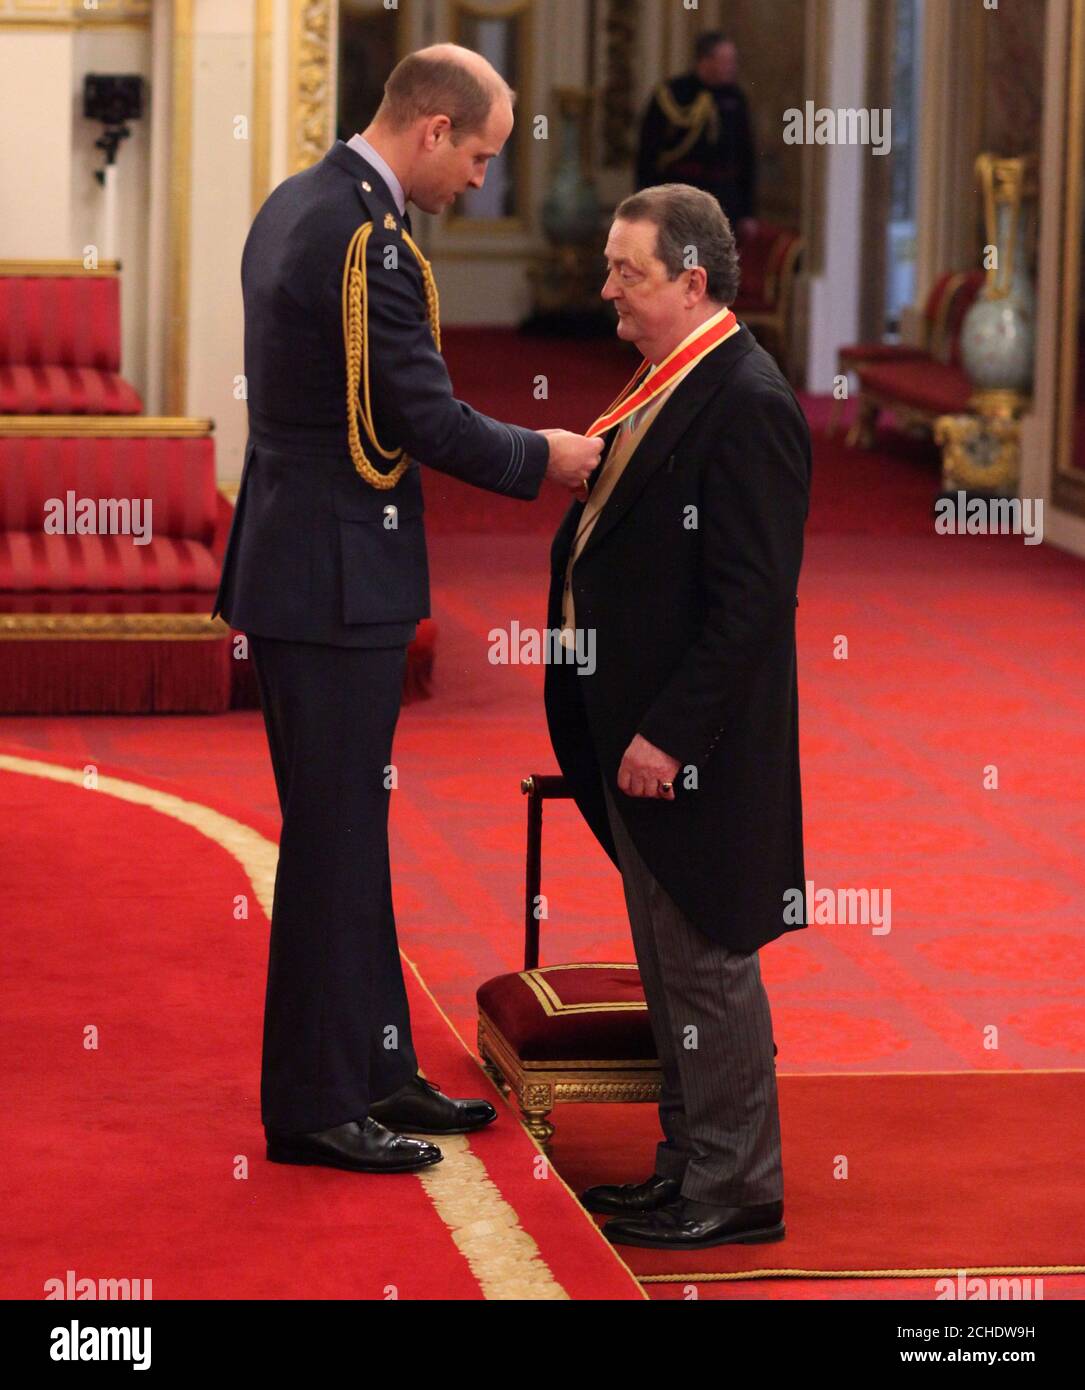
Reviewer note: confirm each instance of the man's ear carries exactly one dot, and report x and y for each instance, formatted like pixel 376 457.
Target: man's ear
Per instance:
pixel 436 129
pixel 698 283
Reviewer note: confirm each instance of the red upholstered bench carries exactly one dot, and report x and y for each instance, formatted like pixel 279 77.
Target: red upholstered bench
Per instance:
pixel 917 382
pixel 60 340
pixel 768 261
pixel 561 1033
pixel 91 620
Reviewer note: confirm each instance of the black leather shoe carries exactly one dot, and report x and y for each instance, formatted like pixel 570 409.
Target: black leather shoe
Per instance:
pixel 422 1108
pixel 690 1225
pixel 361 1147
pixel 632 1197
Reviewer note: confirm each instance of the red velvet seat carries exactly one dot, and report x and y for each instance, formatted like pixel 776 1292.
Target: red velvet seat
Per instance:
pixel 60 341
pixel 861 353
pixel 174 477
pixel 920 381
pixel 915 384
pixel 110 613
pixel 562 1013
pixel 768 261
pixel 561 1033
pixel 57 390
pixel 935 328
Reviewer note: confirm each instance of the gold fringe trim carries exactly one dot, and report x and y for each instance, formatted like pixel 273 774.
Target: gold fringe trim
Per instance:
pixel 972 1273
pixel 503 1257
pixel 111 627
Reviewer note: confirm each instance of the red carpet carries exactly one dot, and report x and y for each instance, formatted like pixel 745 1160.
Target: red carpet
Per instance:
pixel 963 653
pixel 141 1157
pixel 934 1176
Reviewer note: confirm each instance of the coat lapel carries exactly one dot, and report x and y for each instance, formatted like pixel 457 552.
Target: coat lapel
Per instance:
pixel 689 399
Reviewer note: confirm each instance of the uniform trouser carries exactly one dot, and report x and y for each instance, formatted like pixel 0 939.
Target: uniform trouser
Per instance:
pixel 337 1031
pixel 713 1031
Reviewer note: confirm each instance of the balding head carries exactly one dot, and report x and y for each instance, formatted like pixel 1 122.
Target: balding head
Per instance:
pixel 446 114
pixel 443 80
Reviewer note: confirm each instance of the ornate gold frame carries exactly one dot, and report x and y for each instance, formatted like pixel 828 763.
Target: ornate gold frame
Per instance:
pixel 1068 483
pixel 58 267
pixel 313 26
pixel 263 30
pixel 96 426
pixel 524 13
pixel 180 205
pixel 72 14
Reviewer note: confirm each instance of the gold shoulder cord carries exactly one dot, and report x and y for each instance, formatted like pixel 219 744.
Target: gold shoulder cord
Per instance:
pixel 700 114
pixel 356 341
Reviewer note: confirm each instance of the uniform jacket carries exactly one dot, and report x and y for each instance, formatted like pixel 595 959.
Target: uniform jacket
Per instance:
pixel 311 554
pixel 726 167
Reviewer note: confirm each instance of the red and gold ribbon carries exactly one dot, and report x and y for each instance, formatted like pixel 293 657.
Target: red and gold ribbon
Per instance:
pixel 647 383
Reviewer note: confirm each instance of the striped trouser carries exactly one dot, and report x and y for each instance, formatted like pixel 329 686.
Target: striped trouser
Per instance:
pixel 713 1031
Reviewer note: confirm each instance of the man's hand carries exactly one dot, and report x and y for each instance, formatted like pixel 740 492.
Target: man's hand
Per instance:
pixel 644 767
pixel 573 458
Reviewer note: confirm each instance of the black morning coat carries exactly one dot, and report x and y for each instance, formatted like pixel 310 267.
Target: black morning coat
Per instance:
pixel 689 579
pixel 311 556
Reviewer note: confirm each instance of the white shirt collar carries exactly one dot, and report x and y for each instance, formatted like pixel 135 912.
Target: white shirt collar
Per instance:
pixel 701 327
pixel 362 146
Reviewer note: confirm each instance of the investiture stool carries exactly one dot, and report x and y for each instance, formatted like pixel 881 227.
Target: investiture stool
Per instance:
pixel 681 747
pixel 326 574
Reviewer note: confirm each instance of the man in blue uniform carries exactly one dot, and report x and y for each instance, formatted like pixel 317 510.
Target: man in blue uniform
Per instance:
pixel 326 573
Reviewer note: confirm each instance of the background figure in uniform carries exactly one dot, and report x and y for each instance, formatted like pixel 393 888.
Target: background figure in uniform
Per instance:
pixel 697 130
pixel 326 573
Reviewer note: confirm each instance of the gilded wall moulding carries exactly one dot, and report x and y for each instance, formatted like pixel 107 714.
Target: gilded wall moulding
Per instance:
pixel 312 25
pixel 75 12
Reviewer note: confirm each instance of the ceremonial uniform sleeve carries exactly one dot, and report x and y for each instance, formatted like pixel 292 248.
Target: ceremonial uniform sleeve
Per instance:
pixel 753 508
pixel 653 139
pixel 411 393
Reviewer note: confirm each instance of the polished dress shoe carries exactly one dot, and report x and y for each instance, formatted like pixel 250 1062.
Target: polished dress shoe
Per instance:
pixel 632 1197
pixel 689 1225
pixel 362 1146
pixel 422 1108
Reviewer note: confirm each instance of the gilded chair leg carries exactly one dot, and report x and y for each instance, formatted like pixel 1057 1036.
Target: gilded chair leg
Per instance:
pixel 495 1076
pixel 862 433
pixel 538 1126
